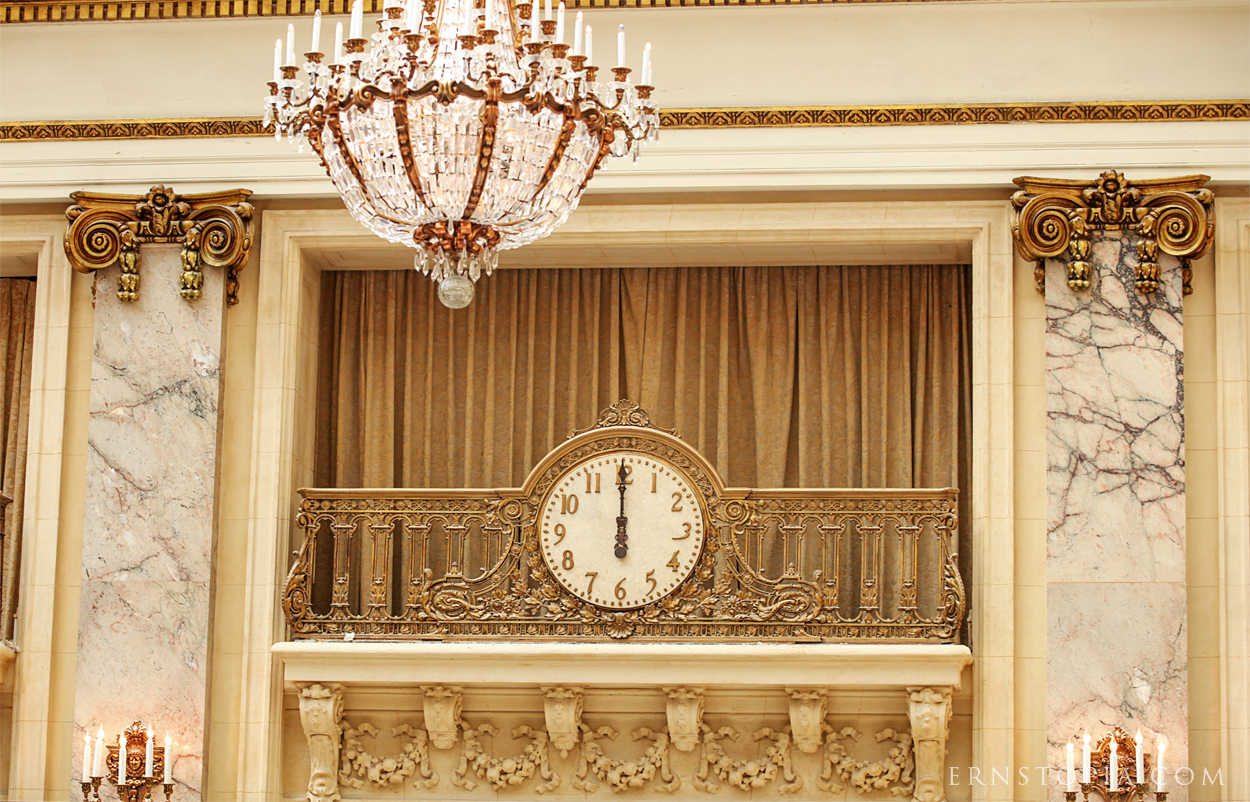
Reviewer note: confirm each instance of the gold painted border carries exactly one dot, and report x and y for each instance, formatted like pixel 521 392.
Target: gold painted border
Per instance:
pixel 673 119
pixel 17 11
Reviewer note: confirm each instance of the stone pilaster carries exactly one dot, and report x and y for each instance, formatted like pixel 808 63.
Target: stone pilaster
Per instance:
pixel 144 621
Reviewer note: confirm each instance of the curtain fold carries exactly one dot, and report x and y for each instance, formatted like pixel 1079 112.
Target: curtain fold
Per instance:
pixel 17 345
pixel 827 376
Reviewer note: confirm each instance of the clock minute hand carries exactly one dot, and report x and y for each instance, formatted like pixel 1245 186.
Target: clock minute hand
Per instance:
pixel 621 549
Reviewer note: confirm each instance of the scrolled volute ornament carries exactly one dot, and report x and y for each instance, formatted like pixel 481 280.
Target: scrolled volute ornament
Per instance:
pixel 213 228
pixel 1055 217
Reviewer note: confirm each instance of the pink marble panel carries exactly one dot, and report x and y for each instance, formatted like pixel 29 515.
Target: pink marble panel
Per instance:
pixel 1116 595
pixel 145 607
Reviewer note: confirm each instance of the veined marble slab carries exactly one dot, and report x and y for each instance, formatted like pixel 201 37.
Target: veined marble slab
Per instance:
pixel 1115 451
pixel 145 607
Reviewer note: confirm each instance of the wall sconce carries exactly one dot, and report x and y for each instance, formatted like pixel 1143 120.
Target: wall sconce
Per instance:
pixel 133 765
pixel 1117 768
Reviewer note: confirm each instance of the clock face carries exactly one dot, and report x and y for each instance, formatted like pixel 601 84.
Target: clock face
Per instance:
pixel 663 523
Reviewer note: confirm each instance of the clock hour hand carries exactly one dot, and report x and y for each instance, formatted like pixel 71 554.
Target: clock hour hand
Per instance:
pixel 621 549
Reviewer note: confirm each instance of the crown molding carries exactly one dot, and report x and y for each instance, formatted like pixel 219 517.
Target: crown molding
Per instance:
pixel 676 119
pixel 19 11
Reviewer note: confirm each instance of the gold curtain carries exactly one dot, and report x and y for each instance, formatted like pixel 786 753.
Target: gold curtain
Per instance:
pixel 17 343
pixel 797 376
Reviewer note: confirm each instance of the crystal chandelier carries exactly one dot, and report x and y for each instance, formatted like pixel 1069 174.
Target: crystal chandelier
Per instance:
pixel 465 130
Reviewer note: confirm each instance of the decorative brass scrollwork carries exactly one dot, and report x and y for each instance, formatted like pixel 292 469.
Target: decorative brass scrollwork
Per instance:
pixel 1056 216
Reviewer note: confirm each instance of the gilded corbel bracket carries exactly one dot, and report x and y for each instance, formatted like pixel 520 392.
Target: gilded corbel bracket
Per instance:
pixel 808 707
pixel 684 707
pixel 214 229
pixel 562 705
pixel 321 714
pixel 930 712
pixel 1054 216
pixel 442 704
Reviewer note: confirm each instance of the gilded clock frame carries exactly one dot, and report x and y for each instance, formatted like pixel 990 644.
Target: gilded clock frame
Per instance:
pixel 699 500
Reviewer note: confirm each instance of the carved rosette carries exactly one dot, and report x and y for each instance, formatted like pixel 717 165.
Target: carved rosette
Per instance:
pixel 213 228
pixel 1056 217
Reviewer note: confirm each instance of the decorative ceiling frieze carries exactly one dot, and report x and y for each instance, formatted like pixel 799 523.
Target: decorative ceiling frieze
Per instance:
pixel 673 119
pixel 213 228
pixel 1057 217
pixel 18 11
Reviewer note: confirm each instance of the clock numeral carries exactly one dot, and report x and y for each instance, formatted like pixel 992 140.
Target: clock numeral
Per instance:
pixel 676 566
pixel 567 562
pixel 653 480
pixel 686 526
pixel 560 533
pixel 568 503
pixel 588 490
pixel 590 588
pixel 651 579
pixel 629 472
pixel 677 502
pixel 620 591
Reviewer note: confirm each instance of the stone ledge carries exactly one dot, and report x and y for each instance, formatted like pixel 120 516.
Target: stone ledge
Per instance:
pixel 825 665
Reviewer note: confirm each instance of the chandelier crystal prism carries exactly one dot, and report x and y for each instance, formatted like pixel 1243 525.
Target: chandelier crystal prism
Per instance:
pixel 465 130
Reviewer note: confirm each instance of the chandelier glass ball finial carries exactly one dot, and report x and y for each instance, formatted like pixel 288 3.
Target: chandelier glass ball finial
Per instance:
pixel 455 291
pixel 469 126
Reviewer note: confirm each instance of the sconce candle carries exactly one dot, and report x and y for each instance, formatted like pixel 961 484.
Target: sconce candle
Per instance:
pixel 1162 773
pixel 147 760
pixel 1138 759
pixel 86 757
pixel 1085 757
pixel 1071 767
pixel 169 760
pixel 97 764
pixel 1112 768
pixel 121 760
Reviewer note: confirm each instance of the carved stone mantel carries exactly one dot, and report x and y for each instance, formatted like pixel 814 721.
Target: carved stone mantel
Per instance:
pixel 554 739
pixel 213 228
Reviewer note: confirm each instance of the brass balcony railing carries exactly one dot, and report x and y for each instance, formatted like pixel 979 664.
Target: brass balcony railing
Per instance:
pixel 788 565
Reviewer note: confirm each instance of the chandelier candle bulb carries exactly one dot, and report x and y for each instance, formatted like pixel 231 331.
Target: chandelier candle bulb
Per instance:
pixel 546 10
pixel 646 66
pixel 560 24
pixel 1113 767
pixel 1137 756
pixel 97 764
pixel 1071 767
pixel 169 760
pixel 277 60
pixel 579 35
pixel 620 46
pixel 338 43
pixel 590 46
pixel 290 45
pixel 358 20
pixel 316 35
pixel 1085 757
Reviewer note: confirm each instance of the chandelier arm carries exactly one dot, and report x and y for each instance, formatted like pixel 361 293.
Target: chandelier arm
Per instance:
pixel 490 119
pixel 557 153
pixel 402 135
pixel 605 143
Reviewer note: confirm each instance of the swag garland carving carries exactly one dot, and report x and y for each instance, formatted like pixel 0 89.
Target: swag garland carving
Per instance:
pixel 214 229
pixel 1057 217
pixel 652 766
pixel 794 565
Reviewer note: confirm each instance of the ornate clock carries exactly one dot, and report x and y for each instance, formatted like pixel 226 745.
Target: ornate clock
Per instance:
pixel 622 529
